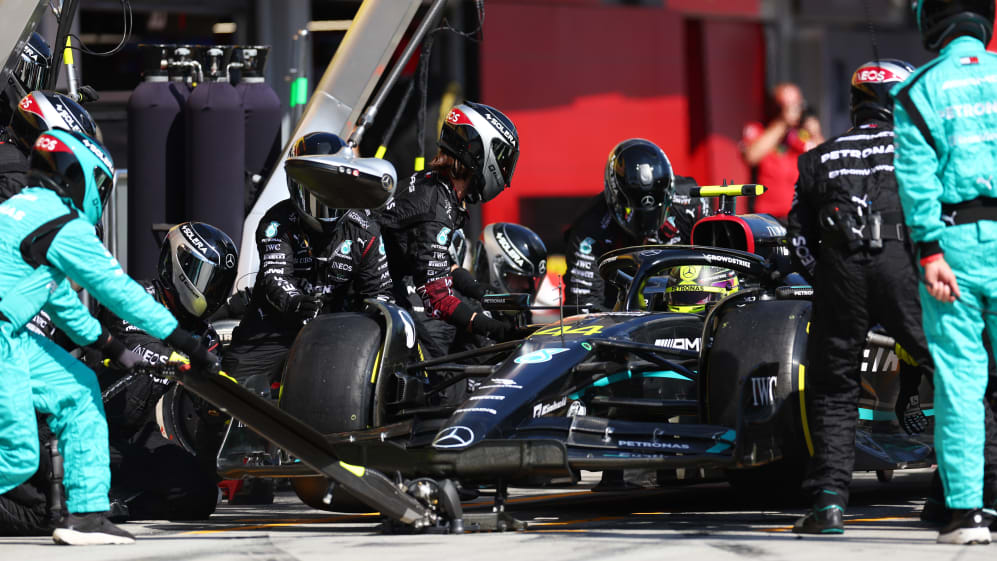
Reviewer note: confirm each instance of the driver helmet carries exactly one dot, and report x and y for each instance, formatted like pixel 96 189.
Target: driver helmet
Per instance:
pixel 486 142
pixel 76 167
pixel 870 90
pixel 314 214
pixel 639 187
pixel 692 287
pixel 30 73
pixel 510 258
pixel 197 267
pixel 40 111
pixel 939 20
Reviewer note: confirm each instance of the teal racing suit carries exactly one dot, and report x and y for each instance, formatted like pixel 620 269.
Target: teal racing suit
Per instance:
pixel 945 118
pixel 44 240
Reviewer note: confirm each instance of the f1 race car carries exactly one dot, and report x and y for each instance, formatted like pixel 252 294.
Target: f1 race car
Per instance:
pixel 637 388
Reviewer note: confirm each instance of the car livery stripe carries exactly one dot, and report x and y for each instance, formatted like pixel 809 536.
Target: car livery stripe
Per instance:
pixel 377 362
pixel 803 409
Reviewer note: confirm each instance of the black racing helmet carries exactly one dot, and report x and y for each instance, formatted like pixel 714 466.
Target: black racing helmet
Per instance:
pixel 639 187
pixel 40 111
pixel 313 212
pixel 35 63
pixel 870 89
pixel 510 258
pixel 486 142
pixel 938 20
pixel 30 73
pixel 197 267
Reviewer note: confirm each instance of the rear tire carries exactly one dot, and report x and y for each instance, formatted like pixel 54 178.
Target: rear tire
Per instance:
pixel 328 384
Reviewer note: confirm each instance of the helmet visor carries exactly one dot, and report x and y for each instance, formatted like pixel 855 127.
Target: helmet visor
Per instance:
pixel 312 206
pixel 506 156
pixel 104 184
pixel 521 283
pixel 31 74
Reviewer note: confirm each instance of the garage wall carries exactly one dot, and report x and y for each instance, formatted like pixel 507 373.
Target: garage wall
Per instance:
pixel 577 77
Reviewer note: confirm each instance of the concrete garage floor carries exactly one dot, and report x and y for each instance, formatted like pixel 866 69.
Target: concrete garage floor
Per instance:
pixel 697 523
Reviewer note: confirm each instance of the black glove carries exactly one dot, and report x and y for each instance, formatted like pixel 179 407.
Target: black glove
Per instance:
pixel 86 94
pixel 908 410
pixel 489 327
pixel 306 307
pixel 120 356
pixel 465 282
pixel 200 357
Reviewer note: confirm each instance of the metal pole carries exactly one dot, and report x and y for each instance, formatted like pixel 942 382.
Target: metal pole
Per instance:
pixel 432 17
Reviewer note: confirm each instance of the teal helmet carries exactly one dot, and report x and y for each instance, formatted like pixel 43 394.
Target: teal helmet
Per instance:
pixel 76 167
pixel 939 20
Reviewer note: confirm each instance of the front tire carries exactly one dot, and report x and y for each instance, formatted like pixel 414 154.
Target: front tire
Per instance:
pixel 329 384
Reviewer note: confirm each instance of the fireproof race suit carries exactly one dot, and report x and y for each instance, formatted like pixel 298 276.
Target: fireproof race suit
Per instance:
pixel 595 232
pixel 153 474
pixel 418 226
pixel 340 268
pixel 43 240
pixel 946 124
pixel 846 191
pixel 13 170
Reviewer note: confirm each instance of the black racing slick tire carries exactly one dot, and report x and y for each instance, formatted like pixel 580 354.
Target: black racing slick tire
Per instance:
pixel 329 384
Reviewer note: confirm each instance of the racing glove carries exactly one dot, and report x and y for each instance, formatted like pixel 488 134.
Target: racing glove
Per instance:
pixel 86 94
pixel 305 307
pixel 465 282
pixel 489 327
pixel 200 357
pixel 121 357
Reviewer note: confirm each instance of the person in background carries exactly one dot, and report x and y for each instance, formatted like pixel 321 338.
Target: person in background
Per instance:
pixel 771 150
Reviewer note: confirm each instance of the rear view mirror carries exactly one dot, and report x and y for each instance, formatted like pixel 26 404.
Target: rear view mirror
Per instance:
pixel 343 180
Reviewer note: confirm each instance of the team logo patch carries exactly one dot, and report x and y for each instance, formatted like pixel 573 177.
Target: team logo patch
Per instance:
pixel 271 230
pixel 542 267
pixel 344 248
pixel 380 246
pixel 689 272
pixel 444 236
pixel 586 246
pixel 539 357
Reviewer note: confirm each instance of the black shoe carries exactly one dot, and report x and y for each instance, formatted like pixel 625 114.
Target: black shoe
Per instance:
pixel 935 512
pixel 90 528
pixel 821 520
pixel 967 527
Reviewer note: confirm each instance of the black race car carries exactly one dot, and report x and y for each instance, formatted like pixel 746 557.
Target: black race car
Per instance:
pixel 635 388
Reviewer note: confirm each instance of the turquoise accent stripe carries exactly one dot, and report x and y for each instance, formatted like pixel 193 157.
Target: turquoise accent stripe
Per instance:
pixel 728 437
pixel 871 415
pixel 613 378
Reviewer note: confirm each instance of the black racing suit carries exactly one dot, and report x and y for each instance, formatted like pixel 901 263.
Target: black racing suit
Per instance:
pixel 596 232
pixel 159 472
pixel 418 226
pixel 342 266
pixel 846 185
pixel 13 170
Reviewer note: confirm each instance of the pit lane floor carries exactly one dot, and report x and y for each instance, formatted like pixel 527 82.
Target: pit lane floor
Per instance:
pixel 702 522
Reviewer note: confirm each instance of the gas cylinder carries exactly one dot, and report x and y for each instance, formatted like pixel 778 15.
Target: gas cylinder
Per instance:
pixel 156 156
pixel 262 110
pixel 216 148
